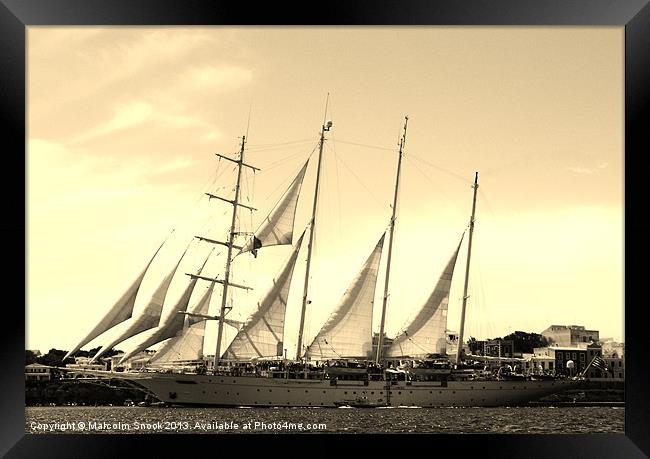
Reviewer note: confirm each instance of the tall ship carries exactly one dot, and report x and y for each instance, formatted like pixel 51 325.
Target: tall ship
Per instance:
pixel 340 365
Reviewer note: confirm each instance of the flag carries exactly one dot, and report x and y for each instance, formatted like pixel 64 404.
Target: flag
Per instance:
pixel 256 245
pixel 599 363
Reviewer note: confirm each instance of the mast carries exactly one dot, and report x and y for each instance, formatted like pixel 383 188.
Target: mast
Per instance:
pixel 324 128
pixel 469 255
pixel 230 244
pixel 380 339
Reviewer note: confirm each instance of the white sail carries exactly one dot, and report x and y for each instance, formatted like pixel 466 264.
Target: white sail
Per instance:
pixel 348 331
pixel 174 323
pixel 150 316
pixel 426 334
pixel 277 227
pixel 122 309
pixel 188 343
pixel 263 333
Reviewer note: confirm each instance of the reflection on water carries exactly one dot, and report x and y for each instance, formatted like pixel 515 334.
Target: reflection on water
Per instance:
pixel 324 420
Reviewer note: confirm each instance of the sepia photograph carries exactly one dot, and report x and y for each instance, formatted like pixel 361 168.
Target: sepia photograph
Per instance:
pixel 350 229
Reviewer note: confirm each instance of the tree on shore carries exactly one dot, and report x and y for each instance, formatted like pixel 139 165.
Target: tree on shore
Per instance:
pixel 524 342
pixel 54 357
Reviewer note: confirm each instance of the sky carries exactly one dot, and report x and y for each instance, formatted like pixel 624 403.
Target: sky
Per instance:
pixel 124 124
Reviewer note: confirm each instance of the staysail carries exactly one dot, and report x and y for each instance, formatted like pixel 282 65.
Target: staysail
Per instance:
pixel 348 331
pixel 277 227
pixel 150 316
pixel 426 333
pixel 122 309
pixel 263 333
pixel 188 343
pixel 174 323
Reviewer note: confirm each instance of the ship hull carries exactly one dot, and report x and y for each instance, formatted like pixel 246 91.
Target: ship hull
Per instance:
pixel 228 391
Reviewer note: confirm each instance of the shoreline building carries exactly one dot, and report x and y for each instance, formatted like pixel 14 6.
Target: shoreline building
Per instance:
pixel 37 372
pixel 570 335
pixel 492 348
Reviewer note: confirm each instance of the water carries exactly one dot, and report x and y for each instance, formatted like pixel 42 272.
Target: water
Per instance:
pixel 73 419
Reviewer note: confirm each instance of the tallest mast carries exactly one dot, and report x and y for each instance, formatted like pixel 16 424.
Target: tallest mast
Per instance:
pixel 380 338
pixel 324 128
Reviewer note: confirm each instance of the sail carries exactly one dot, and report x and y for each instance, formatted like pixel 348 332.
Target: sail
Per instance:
pixel 426 333
pixel 122 309
pixel 174 323
pixel 150 316
pixel 277 227
pixel 348 331
pixel 263 333
pixel 188 343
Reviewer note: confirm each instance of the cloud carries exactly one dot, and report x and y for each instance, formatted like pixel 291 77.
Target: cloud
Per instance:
pixel 135 113
pixel 124 116
pixel 586 170
pixel 217 78
pixel 111 80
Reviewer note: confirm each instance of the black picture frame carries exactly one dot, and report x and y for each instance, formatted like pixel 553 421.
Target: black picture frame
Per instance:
pixel 634 15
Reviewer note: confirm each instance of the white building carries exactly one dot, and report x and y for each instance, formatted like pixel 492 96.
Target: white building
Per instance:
pixel 37 372
pixel 137 362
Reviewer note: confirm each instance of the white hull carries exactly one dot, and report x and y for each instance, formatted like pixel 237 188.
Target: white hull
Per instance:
pixel 184 389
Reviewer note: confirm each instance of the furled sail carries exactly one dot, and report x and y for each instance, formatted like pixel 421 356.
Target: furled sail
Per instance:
pixel 188 343
pixel 426 333
pixel 263 333
pixel 150 316
pixel 348 331
pixel 174 323
pixel 277 227
pixel 122 309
